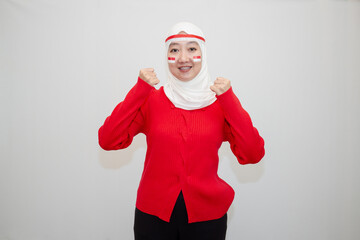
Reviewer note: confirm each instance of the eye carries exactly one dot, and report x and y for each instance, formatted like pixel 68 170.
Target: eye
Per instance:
pixel 192 49
pixel 174 50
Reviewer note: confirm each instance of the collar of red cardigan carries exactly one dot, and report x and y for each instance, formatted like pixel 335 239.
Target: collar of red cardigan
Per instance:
pixel 185 36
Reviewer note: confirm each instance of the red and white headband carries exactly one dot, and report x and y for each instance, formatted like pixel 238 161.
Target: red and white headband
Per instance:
pixel 185 36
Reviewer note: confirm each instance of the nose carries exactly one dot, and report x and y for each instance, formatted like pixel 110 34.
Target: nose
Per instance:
pixel 184 57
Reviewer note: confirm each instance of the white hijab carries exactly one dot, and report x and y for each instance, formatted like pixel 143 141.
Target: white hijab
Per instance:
pixel 196 93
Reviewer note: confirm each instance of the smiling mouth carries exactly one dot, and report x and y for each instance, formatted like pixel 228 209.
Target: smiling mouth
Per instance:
pixel 185 69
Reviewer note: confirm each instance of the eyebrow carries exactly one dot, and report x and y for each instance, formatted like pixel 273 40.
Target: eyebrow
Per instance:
pixel 174 43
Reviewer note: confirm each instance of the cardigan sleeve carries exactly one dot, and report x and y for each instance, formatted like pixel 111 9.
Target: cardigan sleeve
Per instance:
pixel 245 141
pixel 126 120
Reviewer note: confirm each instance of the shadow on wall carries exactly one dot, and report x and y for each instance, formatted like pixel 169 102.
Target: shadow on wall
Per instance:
pixel 248 173
pixel 119 158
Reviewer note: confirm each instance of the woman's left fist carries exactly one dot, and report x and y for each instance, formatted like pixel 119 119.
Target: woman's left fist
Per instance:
pixel 220 86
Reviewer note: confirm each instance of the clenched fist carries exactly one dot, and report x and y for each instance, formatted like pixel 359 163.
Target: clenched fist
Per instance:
pixel 149 76
pixel 220 86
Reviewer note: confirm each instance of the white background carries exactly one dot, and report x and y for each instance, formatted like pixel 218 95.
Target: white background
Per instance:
pixel 64 65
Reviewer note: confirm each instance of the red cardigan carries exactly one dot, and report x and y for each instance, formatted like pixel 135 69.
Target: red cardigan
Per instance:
pixel 182 149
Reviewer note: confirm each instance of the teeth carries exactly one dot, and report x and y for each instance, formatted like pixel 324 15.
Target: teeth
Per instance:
pixel 185 68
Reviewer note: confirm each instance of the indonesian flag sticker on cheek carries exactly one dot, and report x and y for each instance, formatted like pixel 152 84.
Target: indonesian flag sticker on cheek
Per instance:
pixel 171 59
pixel 197 58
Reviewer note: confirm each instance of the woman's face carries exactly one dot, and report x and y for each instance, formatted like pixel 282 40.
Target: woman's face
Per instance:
pixel 184 67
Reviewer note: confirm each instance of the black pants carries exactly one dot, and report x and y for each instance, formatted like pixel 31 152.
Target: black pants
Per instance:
pixel 149 227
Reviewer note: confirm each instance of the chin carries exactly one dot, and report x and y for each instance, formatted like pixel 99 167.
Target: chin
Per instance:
pixel 184 79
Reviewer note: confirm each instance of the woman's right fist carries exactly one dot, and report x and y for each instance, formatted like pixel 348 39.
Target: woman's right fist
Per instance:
pixel 149 76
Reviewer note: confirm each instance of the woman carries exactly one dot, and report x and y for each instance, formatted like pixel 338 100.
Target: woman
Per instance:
pixel 180 195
